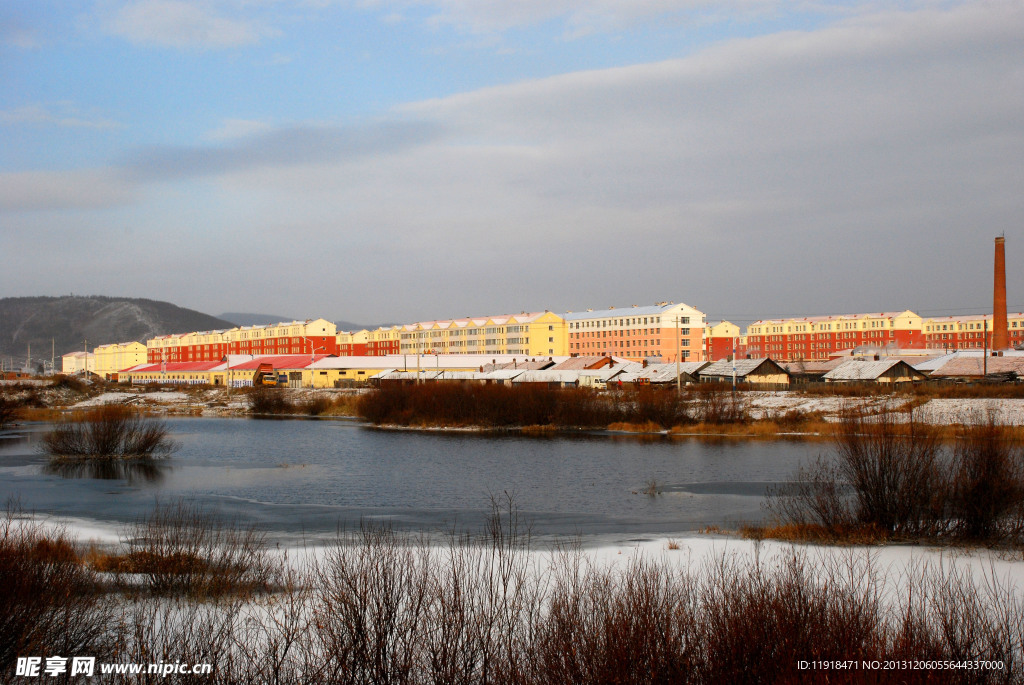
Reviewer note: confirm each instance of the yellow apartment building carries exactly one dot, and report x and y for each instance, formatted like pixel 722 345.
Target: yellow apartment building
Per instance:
pixel 109 359
pixel 541 334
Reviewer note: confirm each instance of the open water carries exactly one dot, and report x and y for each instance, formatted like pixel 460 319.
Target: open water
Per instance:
pixel 299 477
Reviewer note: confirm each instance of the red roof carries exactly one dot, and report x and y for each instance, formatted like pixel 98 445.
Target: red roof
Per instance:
pixel 283 361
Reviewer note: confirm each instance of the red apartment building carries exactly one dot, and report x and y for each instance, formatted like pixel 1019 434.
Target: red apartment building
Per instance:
pixel 818 337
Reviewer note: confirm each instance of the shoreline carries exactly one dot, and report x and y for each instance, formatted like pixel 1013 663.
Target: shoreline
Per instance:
pixel 688 549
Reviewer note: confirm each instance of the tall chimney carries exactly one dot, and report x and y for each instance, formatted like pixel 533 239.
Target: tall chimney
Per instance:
pixel 1000 333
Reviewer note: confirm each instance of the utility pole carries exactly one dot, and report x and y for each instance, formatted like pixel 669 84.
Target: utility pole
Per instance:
pixel 679 381
pixel 984 335
pixel 734 368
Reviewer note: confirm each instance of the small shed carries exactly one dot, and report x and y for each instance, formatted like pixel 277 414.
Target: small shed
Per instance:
pixel 760 374
pixel 550 377
pixel 885 371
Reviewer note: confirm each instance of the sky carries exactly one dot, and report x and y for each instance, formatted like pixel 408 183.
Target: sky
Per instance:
pixel 403 160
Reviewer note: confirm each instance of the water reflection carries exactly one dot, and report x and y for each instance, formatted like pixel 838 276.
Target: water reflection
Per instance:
pixel 131 471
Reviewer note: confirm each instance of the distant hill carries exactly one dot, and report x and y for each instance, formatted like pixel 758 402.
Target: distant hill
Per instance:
pixel 71 321
pixel 248 319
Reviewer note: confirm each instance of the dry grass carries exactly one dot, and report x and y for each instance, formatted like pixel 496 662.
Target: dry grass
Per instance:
pixel 182 549
pixel 924 390
pixel 381 607
pixel 109 431
pixel 502 407
pixel 888 479
pixel 815 533
pixel 267 401
pixel 49 603
pixel 646 427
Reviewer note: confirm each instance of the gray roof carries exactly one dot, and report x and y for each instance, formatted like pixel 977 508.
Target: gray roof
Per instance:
pixel 978 366
pixel 856 370
pixel 649 310
pixel 663 373
pixel 612 371
pixel 504 374
pixel 548 376
pixel 744 367
pixel 813 366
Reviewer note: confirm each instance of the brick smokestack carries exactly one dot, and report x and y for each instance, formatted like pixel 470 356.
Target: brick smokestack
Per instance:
pixel 1000 334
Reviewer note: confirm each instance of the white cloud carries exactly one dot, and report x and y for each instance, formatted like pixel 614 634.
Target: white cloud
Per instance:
pixel 870 142
pixel 180 24
pixel 798 172
pixel 233 129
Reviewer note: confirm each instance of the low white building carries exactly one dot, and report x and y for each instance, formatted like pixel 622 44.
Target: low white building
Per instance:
pixel 78 362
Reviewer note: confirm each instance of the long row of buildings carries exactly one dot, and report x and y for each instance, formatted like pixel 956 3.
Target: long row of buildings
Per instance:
pixel 664 332
pixel 320 371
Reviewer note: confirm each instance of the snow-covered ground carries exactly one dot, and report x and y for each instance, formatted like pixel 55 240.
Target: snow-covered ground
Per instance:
pixel 1006 411
pixel 938 411
pixel 894 563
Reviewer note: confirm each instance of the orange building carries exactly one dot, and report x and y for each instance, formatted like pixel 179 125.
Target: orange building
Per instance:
pixel 666 330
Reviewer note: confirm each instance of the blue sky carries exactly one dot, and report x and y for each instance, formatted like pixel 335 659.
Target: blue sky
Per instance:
pixel 395 160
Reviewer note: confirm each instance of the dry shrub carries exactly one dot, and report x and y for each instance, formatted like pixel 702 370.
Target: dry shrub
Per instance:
pixel 109 431
pixel 76 385
pixel 923 390
pixel 603 625
pixel 505 406
pixel 9 410
pixel 986 489
pixel 716 403
pixel 182 549
pixel 263 400
pixel 314 406
pixel 383 607
pixel 664 407
pixel 889 478
pixel 487 405
pixel 884 475
pixel 49 603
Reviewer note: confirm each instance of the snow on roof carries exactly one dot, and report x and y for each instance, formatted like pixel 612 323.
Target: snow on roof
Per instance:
pixel 570 363
pixel 857 370
pixel 813 366
pixel 968 318
pixel 649 310
pixel 506 374
pixel 609 372
pixel 528 365
pixel 743 367
pixel 547 376
pixel 831 317
pixel 962 366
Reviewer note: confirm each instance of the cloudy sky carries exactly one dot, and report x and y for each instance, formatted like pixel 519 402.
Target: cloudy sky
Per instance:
pixel 396 160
